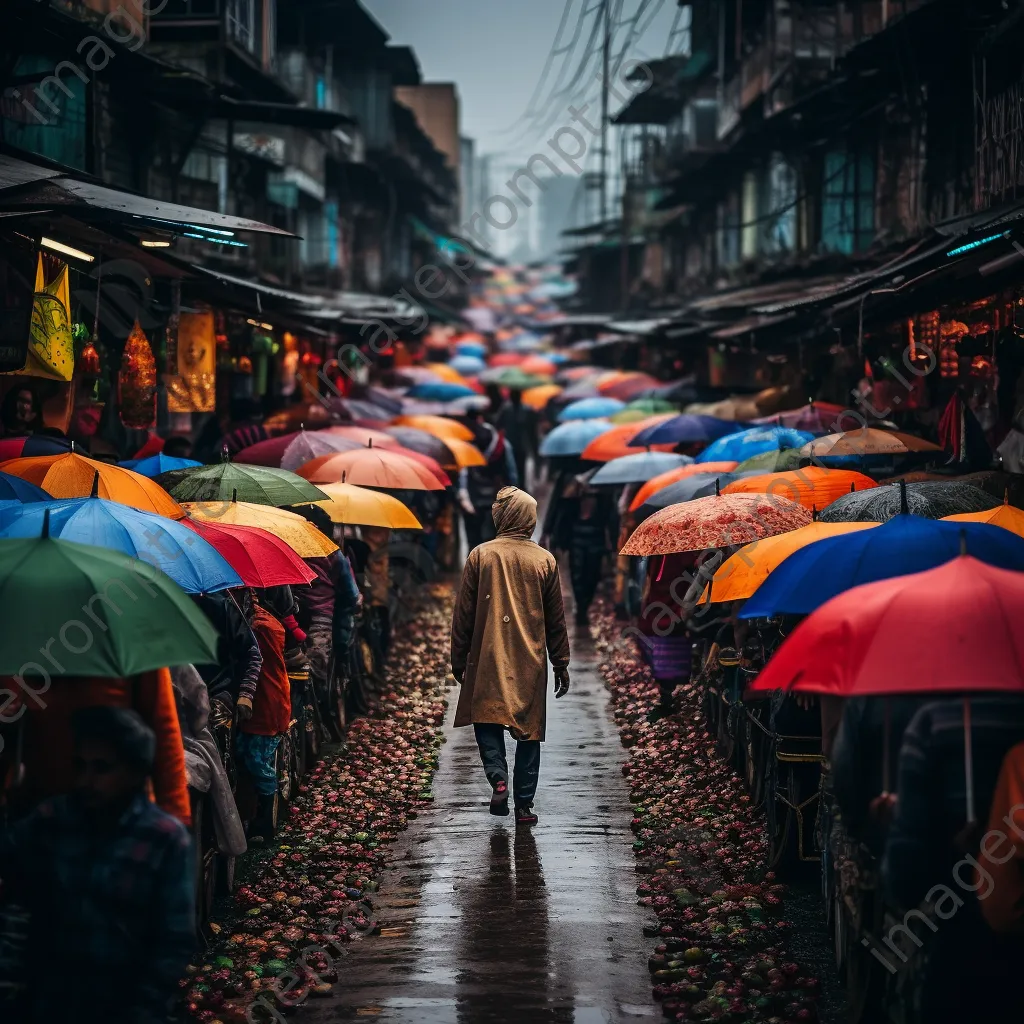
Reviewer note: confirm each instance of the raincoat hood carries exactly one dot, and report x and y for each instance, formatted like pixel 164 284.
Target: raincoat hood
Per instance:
pixel 515 513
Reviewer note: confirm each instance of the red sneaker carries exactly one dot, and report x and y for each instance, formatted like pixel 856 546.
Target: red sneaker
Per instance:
pixel 499 799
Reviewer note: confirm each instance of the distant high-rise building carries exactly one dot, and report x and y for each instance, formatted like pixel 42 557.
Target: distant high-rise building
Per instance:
pixel 559 209
pixel 468 179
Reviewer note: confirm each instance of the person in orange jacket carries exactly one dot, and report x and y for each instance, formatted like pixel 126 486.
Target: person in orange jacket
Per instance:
pixel 47 740
pixel 260 732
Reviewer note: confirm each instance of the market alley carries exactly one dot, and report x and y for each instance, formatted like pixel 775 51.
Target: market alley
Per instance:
pixel 484 922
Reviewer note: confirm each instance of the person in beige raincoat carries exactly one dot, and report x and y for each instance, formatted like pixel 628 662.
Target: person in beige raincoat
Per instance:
pixel 508 620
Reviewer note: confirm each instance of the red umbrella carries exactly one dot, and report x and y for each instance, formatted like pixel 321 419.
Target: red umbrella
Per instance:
pixel 28 447
pixel 954 628
pixel 256 555
pixel 719 521
pixel 947 630
pixel 506 359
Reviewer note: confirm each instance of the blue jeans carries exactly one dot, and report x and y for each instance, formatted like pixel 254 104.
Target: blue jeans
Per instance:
pixel 491 741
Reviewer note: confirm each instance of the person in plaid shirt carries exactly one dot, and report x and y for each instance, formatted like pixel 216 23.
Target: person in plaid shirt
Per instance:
pixel 109 882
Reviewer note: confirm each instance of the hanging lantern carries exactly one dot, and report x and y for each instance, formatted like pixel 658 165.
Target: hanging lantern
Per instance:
pixel 89 360
pixel 949 358
pixel 137 382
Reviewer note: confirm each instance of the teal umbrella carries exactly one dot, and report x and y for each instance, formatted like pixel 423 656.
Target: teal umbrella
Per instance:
pixel 74 610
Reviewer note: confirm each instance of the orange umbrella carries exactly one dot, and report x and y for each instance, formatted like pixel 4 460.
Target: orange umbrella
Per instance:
pixel 663 480
pixel 741 574
pixel 71 475
pixel 372 467
pixel 719 521
pixel 812 486
pixel 1006 515
pixel 446 373
pixel 364 435
pixel 614 443
pixel 426 461
pixel 538 365
pixel 466 454
pixel 439 426
pixel 538 397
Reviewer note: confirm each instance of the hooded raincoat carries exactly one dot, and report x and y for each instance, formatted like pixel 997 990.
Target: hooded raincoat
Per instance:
pixel 508 620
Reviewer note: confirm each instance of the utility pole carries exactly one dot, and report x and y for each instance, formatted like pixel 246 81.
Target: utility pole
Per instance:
pixel 606 61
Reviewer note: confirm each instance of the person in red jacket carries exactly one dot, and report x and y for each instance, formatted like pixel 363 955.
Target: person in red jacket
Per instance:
pixel 259 735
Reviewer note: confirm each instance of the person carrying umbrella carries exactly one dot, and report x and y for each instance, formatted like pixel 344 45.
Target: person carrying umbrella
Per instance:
pixel 580 520
pixel 261 730
pixel 109 882
pixel 479 485
pixel 518 424
pixel 508 621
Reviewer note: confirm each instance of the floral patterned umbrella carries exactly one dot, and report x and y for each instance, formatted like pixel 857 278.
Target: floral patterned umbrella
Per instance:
pixel 721 520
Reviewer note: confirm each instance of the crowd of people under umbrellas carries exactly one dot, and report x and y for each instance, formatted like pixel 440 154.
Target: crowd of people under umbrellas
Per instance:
pixel 95 858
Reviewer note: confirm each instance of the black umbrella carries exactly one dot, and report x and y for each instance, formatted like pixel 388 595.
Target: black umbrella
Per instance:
pixel 932 499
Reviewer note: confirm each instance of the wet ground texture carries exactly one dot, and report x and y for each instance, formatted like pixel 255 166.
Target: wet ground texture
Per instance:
pixel 484 922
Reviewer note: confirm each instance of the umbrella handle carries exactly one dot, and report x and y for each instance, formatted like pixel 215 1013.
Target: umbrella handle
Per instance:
pixel 887 740
pixel 969 763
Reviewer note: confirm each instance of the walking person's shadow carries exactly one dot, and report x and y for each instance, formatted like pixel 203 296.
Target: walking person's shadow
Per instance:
pixel 505 949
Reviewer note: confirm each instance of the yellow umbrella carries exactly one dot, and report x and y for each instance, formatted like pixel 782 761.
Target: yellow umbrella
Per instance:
pixel 538 397
pixel 439 426
pixel 1006 515
pixel 445 373
pixel 740 575
pixel 359 506
pixel 466 454
pixel 71 475
pixel 298 533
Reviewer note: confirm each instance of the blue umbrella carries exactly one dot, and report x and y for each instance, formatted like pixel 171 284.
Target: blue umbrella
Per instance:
pixel 905 544
pixel 194 564
pixel 569 439
pixel 157 464
pixel 747 443
pixel 440 392
pixel 13 488
pixel 471 348
pixel 635 469
pixel 688 428
pixel 591 409
pixel 468 366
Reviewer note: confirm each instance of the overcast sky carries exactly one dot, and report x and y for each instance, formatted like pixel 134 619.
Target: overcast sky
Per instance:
pixel 495 52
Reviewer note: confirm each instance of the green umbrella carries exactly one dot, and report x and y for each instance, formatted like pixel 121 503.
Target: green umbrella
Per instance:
pixel 513 378
pixel 75 610
pixel 782 461
pixel 652 406
pixel 257 484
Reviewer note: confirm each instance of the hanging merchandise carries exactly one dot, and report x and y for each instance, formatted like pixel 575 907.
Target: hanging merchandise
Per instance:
pixel 193 388
pixel 137 382
pixel 51 349
pixel 949 358
pixel 263 347
pixel 289 364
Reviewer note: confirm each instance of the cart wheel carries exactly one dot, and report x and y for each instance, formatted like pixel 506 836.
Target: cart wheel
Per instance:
pixel 784 821
pixel 285 776
pixel 840 929
pixel 226 874
pixel 206 860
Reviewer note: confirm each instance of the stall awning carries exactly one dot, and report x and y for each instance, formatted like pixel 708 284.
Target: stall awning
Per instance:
pixel 34 186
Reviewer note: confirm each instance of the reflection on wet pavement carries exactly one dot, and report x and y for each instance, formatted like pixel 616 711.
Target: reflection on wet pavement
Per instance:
pixel 489 923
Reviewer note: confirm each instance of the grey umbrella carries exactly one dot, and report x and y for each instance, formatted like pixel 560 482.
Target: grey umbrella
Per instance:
pixel 932 499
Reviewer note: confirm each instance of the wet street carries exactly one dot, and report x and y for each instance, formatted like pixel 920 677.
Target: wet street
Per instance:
pixel 484 922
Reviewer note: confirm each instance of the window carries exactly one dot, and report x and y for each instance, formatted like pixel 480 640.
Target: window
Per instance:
pixel 848 201
pixel 175 10
pixel 241 23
